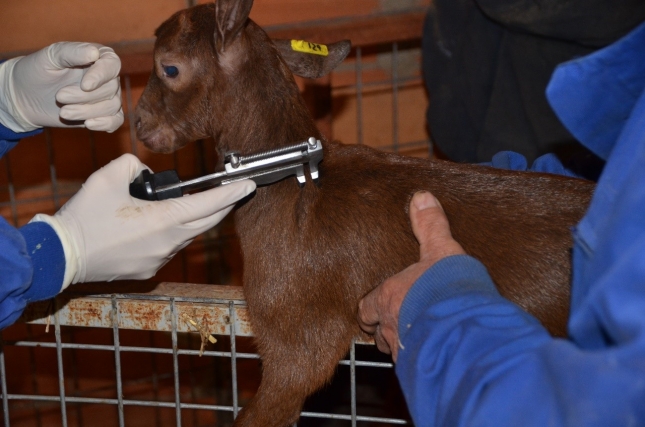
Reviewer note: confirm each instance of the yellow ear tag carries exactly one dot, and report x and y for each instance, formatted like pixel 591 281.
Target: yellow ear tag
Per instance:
pixel 308 47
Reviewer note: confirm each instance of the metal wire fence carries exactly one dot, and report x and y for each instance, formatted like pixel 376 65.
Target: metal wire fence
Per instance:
pixel 223 312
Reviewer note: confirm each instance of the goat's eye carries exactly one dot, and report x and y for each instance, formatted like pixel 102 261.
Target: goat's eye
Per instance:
pixel 170 71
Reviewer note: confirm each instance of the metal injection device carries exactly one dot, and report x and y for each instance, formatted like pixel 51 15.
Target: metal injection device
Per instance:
pixel 264 168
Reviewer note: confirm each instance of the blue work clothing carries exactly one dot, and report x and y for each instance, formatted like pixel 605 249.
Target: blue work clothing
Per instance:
pixel 32 261
pixel 469 357
pixel 547 163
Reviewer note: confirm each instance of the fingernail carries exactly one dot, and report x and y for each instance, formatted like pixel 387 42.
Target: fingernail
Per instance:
pixel 424 200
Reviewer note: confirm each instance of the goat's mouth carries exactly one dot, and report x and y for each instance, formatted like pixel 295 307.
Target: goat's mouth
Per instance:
pixel 157 140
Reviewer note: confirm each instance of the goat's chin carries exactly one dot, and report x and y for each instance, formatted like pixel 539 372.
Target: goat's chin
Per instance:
pixel 160 142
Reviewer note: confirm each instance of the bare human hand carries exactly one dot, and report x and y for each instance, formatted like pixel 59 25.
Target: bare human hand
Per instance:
pixel 378 311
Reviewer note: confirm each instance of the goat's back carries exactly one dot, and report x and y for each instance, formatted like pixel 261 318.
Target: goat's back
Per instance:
pixel 338 240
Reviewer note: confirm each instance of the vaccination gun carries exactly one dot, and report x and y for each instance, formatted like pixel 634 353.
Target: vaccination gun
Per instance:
pixel 264 168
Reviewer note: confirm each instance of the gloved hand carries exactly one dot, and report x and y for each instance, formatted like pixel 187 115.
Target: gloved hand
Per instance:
pixel 83 77
pixel 107 234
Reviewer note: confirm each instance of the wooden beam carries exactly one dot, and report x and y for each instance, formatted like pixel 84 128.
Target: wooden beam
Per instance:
pixel 136 56
pixel 366 30
pixel 361 30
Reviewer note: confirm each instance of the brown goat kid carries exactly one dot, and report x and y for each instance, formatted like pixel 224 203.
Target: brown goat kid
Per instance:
pixel 310 254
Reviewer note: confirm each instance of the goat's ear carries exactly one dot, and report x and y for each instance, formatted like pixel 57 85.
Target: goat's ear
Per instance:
pixel 305 59
pixel 230 15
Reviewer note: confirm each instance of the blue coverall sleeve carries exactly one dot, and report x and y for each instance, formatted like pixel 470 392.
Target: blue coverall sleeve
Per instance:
pixel 32 261
pixel 469 357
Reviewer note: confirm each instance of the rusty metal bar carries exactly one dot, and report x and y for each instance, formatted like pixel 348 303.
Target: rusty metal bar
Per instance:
pixel 148 309
pixel 145 306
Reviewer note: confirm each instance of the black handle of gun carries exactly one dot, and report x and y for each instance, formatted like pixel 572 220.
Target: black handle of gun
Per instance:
pixel 145 186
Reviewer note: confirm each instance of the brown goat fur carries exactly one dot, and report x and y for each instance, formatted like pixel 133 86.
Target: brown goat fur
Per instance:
pixel 310 254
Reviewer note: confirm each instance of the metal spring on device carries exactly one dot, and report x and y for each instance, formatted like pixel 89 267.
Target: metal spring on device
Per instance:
pixel 277 151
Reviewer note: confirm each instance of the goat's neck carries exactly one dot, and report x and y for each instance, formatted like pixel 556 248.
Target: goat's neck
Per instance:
pixel 274 116
pixel 271 124
pixel 264 137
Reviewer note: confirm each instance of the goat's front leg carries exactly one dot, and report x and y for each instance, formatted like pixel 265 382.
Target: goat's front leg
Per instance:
pixel 278 400
pixel 291 372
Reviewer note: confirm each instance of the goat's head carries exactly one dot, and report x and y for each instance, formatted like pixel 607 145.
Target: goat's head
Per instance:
pixel 217 73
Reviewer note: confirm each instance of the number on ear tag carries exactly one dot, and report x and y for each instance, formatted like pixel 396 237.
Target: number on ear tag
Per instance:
pixel 308 47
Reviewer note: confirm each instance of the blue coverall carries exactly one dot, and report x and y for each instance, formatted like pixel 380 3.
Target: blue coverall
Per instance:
pixel 471 358
pixel 32 261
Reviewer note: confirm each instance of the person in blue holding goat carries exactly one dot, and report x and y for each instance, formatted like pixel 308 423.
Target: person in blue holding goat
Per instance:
pixel 465 356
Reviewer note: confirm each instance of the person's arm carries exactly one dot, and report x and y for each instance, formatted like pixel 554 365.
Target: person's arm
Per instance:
pixel 466 356
pixel 103 234
pixel 32 266
pixel 473 358
pixel 32 262
pixel 9 139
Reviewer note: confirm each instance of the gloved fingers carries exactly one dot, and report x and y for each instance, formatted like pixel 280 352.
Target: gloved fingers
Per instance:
pixel 100 109
pixel 106 68
pixel 199 226
pixel 201 205
pixel 89 111
pixel 120 172
pixel 132 165
pixel 71 54
pixel 73 94
pixel 106 124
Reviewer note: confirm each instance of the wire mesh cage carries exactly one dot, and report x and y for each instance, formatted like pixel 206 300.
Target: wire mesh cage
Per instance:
pixel 178 350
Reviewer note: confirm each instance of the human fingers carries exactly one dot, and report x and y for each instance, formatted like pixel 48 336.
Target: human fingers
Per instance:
pixel 73 94
pixel 105 108
pixel 123 169
pixel 196 206
pixel 107 123
pixel 199 226
pixel 431 228
pixel 104 69
pixel 71 54
pixel 368 314
pixel 381 341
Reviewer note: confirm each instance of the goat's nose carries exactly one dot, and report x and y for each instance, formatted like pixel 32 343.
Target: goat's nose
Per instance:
pixel 137 118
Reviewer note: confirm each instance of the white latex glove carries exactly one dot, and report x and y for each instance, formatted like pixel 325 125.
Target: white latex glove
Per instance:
pixel 107 234
pixel 69 80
